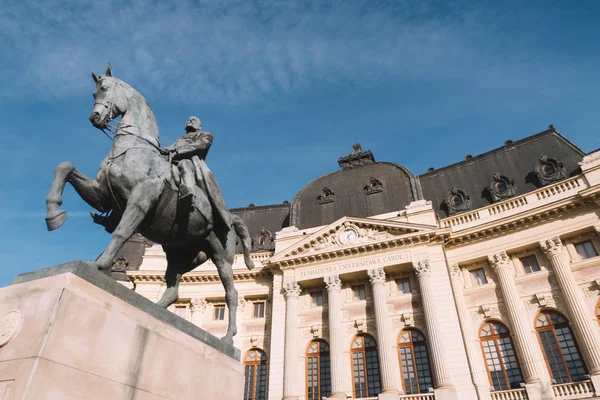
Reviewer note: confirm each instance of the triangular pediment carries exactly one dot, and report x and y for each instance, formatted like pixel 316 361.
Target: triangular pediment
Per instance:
pixel 349 232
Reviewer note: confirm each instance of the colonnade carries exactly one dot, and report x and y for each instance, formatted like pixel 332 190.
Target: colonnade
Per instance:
pixel 386 341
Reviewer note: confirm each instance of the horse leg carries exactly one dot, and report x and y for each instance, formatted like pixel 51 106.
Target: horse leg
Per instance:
pixel 141 199
pixel 87 188
pixel 242 231
pixel 179 261
pixel 223 259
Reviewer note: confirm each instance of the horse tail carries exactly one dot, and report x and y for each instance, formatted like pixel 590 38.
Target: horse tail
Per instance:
pixel 242 231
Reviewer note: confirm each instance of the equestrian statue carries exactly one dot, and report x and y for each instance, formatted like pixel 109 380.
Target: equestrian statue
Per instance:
pixel 167 194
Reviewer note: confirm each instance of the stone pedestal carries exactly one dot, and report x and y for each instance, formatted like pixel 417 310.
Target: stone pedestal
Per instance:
pixel 69 332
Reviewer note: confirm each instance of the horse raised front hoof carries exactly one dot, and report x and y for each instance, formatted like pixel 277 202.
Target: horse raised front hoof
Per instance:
pixel 227 341
pixel 57 220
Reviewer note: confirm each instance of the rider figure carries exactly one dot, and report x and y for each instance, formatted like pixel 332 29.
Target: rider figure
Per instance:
pixel 194 143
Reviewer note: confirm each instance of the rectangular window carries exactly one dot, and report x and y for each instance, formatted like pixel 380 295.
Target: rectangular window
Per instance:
pixel 180 311
pixel 530 264
pixel 403 285
pixel 359 292
pixel 259 310
pixel 586 250
pixel 478 277
pixel 316 299
pixel 219 314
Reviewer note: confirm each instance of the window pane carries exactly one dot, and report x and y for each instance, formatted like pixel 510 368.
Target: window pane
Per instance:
pixel 478 277
pixel 530 264
pixel 219 313
pixel 414 363
pixel 359 292
pixel 586 250
pixel 560 349
pixel 500 357
pixel 403 286
pixel 255 375
pixel 316 299
pixel 259 310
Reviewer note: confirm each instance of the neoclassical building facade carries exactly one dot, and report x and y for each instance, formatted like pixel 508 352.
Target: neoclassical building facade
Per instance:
pixel 478 280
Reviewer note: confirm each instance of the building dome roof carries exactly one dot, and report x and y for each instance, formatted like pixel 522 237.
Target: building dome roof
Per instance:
pixel 361 188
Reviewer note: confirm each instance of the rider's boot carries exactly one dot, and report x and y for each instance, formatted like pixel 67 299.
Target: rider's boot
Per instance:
pixel 186 197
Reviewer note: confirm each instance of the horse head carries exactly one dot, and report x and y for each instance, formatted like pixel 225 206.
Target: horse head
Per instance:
pixel 110 99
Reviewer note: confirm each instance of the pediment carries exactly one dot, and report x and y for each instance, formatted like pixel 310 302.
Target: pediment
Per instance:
pixel 348 233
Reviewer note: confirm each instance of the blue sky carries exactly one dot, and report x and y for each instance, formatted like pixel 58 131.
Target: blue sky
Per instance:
pixel 286 87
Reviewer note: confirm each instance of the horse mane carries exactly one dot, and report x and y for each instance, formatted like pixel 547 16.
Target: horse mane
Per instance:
pixel 139 99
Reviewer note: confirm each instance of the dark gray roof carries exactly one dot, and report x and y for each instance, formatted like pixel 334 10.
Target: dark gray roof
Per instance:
pixel 515 160
pixel 264 220
pixel 362 188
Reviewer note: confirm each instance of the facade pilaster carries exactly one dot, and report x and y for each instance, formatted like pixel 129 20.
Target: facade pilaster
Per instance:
pixel 292 292
pixel 440 371
pixel 478 372
pixel 583 324
pixel 537 380
pixel 336 336
pixel 277 335
pixel 198 308
pixel 388 359
pixel 239 322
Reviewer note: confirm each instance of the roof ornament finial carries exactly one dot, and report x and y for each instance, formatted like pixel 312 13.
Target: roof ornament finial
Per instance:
pixel 357 158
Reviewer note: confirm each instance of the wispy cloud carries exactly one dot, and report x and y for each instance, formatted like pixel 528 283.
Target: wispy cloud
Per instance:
pixel 238 51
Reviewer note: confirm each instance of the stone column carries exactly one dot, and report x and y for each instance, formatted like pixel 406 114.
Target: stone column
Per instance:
pixel 478 371
pixel 292 292
pixel 198 307
pixel 440 371
pixel 584 322
pixel 388 358
pixel 336 336
pixel 531 360
pixel 277 336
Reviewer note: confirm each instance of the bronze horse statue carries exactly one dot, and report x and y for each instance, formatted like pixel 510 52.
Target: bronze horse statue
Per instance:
pixel 137 186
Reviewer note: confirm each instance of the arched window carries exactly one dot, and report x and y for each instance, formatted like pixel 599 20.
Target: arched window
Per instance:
pixel 255 375
pixel 598 311
pixel 414 362
pixel 560 349
pixel 318 370
pixel 365 367
pixel 500 357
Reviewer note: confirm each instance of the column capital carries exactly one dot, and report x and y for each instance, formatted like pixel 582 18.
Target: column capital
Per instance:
pixel 333 282
pixel 500 261
pixel 456 273
pixel 422 268
pixel 198 304
pixel 376 276
pixel 292 289
pixel 242 302
pixel 552 246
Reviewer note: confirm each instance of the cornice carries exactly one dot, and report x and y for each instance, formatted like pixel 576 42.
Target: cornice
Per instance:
pixel 533 217
pixel 199 276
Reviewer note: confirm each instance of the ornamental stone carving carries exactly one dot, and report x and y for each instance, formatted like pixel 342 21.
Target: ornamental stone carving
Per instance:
pixel 422 268
pixel 499 260
pixel 552 246
pixel 374 186
pixel 337 238
pixel 242 303
pixel 292 289
pixel 327 196
pixel 333 282
pixel 316 331
pixel 376 276
pixel 549 170
pixel 501 187
pixel 457 200
pixel 408 319
pixel 198 304
pixel 10 325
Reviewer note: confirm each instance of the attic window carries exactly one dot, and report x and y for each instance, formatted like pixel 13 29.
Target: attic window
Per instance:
pixel 327 196
pixel 457 200
pixel 501 187
pixel 263 239
pixel 549 170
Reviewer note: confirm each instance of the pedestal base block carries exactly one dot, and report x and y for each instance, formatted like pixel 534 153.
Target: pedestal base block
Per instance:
pixel 70 332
